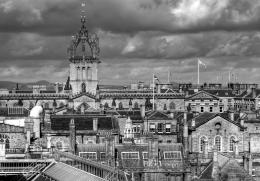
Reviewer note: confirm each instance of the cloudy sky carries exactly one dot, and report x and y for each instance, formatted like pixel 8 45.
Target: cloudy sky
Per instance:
pixel 137 38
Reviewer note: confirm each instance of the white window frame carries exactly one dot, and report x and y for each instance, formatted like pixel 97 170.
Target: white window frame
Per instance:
pixel 220 142
pixel 154 127
pixel 168 128
pixel 169 152
pixel 145 152
pixel 160 131
pixel 202 109
pixel 101 154
pixel 229 143
pixel 129 157
pixel 206 139
pixel 211 109
pixel 95 153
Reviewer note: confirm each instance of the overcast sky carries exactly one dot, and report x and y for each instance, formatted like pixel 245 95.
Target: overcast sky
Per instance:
pixel 137 38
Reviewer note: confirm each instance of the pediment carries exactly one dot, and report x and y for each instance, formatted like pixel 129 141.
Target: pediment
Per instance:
pixel 202 95
pixel 84 98
pixel 158 116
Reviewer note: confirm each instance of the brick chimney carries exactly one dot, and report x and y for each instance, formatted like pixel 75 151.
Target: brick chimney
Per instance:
pixel 185 132
pixel 142 109
pixel 72 136
pixel 232 115
pixel 95 124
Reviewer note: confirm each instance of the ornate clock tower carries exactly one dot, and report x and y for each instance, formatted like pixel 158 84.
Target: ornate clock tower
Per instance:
pixel 84 59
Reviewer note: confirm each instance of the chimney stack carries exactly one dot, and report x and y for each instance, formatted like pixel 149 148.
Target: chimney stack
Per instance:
pixel 232 115
pixel 95 124
pixel 142 107
pixel 72 136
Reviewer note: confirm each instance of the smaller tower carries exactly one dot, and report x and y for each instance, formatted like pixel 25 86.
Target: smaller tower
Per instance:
pixel 84 59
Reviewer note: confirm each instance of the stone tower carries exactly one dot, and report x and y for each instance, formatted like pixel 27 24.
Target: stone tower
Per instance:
pixel 84 59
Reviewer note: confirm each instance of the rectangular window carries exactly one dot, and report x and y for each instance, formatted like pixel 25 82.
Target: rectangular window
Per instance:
pixel 152 128
pixel 169 141
pixel 201 109
pixel 145 155
pixel 160 127
pixel 102 155
pixel 172 155
pixel 210 109
pixel 130 155
pixel 168 128
pixel 221 109
pixel 88 155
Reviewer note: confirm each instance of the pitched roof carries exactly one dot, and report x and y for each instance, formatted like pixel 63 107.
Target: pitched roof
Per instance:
pixel 63 172
pixel 206 116
pixel 222 92
pixel 157 115
pixel 202 95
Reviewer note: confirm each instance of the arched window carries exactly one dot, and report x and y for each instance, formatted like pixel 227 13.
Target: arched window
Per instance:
pixel 83 87
pixel 172 105
pixel 232 141
pixel 120 105
pixel 31 105
pixel 61 104
pixel 136 105
pixel 218 143
pixel 165 107
pixel 59 145
pixel 46 105
pixel 106 105
pixel 203 142
pixel 7 144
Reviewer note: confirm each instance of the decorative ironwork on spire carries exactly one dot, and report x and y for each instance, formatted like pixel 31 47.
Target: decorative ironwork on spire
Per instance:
pixel 84 39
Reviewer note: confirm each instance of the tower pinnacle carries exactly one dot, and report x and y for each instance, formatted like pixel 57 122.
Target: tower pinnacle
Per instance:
pixel 83 17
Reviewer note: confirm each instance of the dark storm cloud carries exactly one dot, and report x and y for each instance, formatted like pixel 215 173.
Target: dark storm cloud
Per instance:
pixel 60 17
pixel 136 37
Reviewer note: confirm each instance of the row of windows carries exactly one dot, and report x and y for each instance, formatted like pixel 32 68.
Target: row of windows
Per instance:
pixel 160 127
pixel 136 105
pixel 166 155
pixel 130 155
pixel 92 155
pixel 217 143
pixel 202 109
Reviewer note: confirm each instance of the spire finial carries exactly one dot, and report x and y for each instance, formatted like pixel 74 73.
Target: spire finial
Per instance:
pixel 83 17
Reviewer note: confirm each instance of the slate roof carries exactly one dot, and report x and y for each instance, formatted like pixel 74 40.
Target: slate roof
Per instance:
pixel 206 116
pixel 63 172
pixel 222 93
pixel 82 122
pixel 157 115
pixel 230 169
pixel 194 96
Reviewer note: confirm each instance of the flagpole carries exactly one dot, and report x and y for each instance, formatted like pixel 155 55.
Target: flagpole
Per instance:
pixel 198 73
pixel 153 92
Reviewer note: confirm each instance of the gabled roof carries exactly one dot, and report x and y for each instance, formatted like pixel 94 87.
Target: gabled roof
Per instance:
pixel 202 95
pixel 157 115
pixel 206 116
pixel 228 167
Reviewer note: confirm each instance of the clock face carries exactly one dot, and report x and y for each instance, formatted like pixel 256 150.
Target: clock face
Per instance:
pixel 217 125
